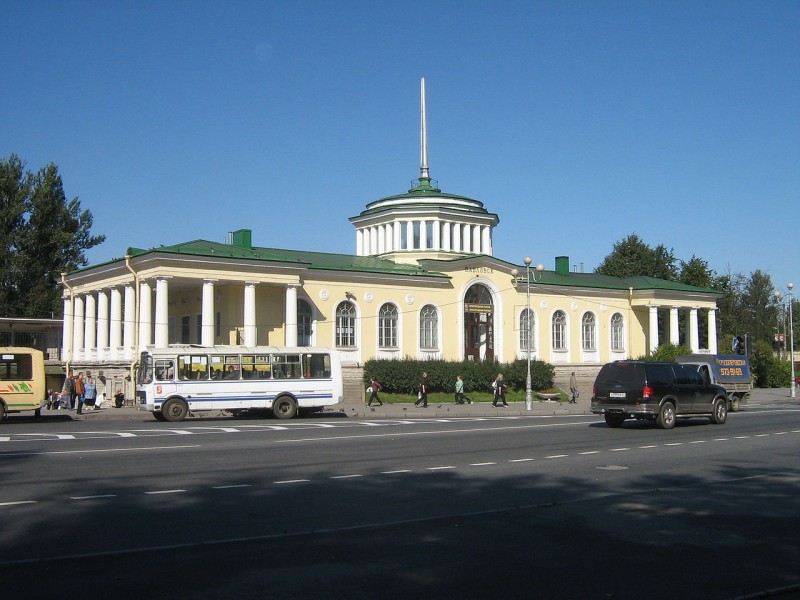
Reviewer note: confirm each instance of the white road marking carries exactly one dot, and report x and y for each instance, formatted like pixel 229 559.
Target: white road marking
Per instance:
pixel 92 497
pixel 354 475
pixel 155 492
pixel 557 456
pixel 291 481
pixel 18 502
pixel 441 468
pixel 484 464
pixel 618 449
pixel 396 471
pixel 590 452
pixel 516 460
pixel 230 487
pixel 646 447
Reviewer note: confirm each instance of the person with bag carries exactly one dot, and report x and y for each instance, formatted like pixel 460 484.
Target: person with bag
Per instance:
pixel 89 393
pixel 374 388
pixel 499 388
pixel 573 388
pixel 422 394
pixel 459 390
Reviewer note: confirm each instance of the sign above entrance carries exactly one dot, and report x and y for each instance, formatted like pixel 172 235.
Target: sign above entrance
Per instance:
pixel 478 270
pixel 478 308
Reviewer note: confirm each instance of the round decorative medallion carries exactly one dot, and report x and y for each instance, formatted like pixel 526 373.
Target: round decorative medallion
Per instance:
pixel 603 307
pixel 409 299
pixel 543 304
pixel 368 296
pixel 574 306
pixel 324 295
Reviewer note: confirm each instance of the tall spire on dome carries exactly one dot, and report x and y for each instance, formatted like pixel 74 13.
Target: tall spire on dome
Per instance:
pixel 423 134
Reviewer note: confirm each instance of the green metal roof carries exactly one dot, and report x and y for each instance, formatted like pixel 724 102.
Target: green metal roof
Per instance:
pixel 305 259
pixel 595 280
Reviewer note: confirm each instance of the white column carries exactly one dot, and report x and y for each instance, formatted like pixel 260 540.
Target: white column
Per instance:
pixel 290 331
pixel 387 237
pixel 102 324
pixel 423 235
pixel 437 235
pixel 694 337
pixel 115 326
pixel 129 325
pixel 398 235
pixel 653 322
pixel 712 331
pixel 162 312
pixel 145 316
pixel 457 237
pixel 66 338
pixel 207 323
pixel 90 328
pixel 476 239
pixel 674 330
pixel 466 239
pixel 487 240
pixel 447 228
pixel 359 242
pixel 77 328
pixel 381 239
pixel 250 313
pixel 409 235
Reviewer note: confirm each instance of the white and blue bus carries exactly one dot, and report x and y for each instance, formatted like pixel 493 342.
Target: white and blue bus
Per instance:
pixel 174 381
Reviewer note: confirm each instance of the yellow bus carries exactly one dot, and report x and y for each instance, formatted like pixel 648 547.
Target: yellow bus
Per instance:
pixel 22 381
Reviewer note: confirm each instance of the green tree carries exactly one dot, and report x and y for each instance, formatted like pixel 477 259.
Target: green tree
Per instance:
pixel 13 192
pixel 632 257
pixel 696 272
pixel 45 235
pixel 759 311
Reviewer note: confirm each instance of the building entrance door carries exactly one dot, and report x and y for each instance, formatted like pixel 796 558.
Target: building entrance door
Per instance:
pixel 478 324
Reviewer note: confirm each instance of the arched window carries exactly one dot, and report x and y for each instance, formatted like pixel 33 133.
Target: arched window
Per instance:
pixel 588 332
pixel 617 333
pixel 387 326
pixel 429 328
pixel 303 323
pixel 559 330
pixel 345 325
pixel 527 322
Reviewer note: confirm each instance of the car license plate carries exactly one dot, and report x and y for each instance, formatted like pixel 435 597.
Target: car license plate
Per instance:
pixel 616 395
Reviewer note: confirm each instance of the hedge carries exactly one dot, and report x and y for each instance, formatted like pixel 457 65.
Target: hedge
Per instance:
pixel 403 376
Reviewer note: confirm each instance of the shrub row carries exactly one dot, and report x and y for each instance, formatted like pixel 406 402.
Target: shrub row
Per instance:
pixel 403 376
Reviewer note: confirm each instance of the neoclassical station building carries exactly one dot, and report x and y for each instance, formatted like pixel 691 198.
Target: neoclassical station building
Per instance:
pixel 423 282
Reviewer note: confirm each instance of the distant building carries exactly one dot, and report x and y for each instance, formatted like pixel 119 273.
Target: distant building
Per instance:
pixel 422 283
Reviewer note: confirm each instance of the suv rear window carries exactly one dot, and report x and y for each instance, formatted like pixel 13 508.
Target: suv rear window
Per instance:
pixel 625 374
pixel 659 375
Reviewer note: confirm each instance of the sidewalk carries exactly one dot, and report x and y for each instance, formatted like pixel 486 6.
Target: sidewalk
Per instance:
pixel 361 411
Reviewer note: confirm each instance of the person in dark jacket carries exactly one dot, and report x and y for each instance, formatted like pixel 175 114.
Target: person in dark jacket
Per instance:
pixel 422 395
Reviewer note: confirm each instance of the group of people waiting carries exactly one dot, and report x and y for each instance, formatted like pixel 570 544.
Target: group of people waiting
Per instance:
pixel 79 392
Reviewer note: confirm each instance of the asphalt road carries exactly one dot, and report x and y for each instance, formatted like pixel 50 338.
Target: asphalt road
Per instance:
pixel 515 505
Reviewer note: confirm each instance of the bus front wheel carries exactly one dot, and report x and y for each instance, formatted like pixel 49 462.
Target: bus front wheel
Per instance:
pixel 174 409
pixel 285 407
pixel 3 411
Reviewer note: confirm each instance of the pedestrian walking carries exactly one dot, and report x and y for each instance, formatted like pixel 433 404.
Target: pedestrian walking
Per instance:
pixel 79 394
pixel 499 388
pixel 459 390
pixel 422 395
pixel 573 388
pixel 374 388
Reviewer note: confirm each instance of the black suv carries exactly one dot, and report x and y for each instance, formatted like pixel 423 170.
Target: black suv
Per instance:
pixel 655 391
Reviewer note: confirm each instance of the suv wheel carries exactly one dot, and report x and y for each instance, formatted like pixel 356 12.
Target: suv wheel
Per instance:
pixel 665 419
pixel 719 412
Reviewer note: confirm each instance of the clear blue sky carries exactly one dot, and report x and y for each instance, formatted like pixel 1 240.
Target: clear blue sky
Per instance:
pixel 579 123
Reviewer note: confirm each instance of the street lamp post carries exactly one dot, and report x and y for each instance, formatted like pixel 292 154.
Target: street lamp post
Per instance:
pixel 790 285
pixel 528 321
